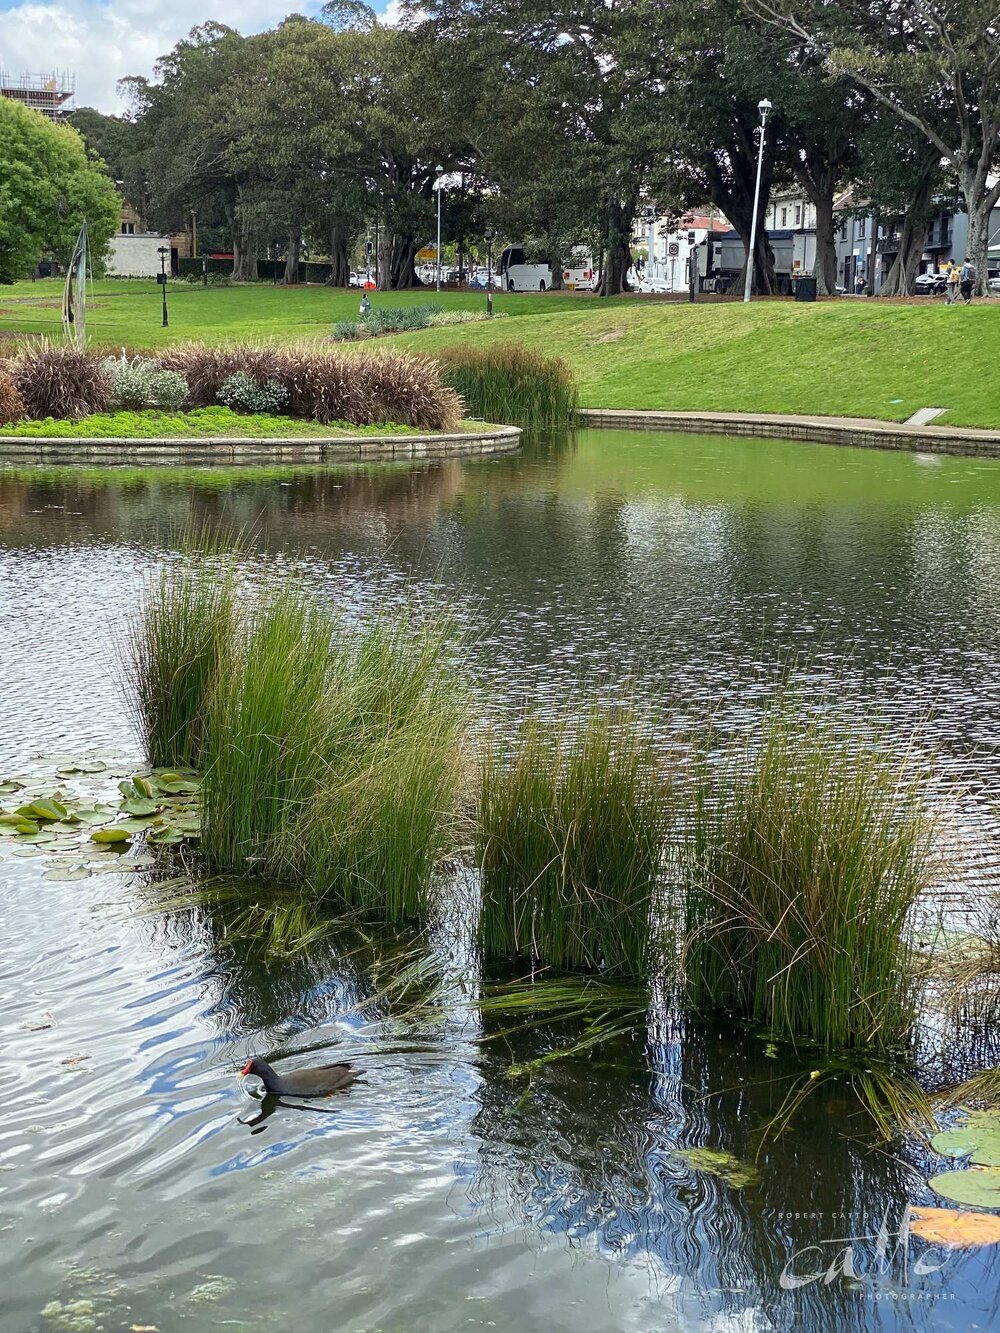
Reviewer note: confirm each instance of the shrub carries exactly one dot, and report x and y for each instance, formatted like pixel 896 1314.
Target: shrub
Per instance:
pixel 346 330
pixel 398 318
pixel 570 842
pixel 244 393
pixel 371 388
pixel 139 383
pixel 442 318
pixel 11 402
pixel 510 383
pixel 807 856
pixel 207 368
pixel 60 381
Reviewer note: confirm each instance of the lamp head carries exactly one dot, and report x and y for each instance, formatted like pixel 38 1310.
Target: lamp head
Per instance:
pixel 763 106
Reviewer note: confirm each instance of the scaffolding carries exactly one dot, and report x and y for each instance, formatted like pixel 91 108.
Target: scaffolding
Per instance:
pixel 51 94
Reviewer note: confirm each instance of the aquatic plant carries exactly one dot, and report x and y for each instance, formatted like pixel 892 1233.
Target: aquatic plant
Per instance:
pixel 172 651
pixel 570 841
pixel 331 754
pixel 60 380
pixel 510 383
pixel 806 855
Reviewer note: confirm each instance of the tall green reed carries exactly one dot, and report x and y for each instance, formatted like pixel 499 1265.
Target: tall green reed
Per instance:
pixel 806 855
pixel 172 651
pixel 509 383
pixel 570 841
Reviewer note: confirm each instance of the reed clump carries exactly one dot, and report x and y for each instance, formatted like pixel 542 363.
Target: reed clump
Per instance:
pixel 330 753
pixel 570 838
pixel 806 856
pixel 172 653
pixel 509 383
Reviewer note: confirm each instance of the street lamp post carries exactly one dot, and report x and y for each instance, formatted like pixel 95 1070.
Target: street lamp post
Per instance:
pixel 490 233
pixel 438 281
pixel 163 251
pixel 763 106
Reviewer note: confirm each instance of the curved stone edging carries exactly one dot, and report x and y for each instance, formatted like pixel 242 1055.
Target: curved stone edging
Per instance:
pixel 860 432
pixel 227 449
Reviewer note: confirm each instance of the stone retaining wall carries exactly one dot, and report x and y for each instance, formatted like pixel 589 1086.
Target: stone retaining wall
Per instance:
pixel 304 449
pixel 860 432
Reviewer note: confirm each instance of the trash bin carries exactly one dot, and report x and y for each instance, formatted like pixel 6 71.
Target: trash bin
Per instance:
pixel 805 289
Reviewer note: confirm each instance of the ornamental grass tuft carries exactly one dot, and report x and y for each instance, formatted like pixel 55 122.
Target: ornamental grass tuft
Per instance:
pixel 807 853
pixel 60 381
pixel 570 837
pixel 510 383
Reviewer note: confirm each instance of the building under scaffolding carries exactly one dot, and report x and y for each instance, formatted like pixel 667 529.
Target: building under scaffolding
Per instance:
pixel 51 94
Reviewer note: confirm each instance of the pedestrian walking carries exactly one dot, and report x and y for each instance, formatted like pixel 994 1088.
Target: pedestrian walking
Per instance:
pixel 967 279
pixel 366 305
pixel 954 282
pixel 860 284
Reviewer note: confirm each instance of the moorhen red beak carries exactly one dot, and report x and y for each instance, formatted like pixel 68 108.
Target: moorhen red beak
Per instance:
pixel 319 1082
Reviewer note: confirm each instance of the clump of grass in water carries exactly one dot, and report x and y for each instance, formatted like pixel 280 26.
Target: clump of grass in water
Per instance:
pixel 172 653
pixel 510 383
pixel 570 842
pixel 332 755
pixel 807 855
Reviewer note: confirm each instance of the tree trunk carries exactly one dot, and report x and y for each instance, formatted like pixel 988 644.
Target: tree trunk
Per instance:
pixel 980 201
pixel 765 283
pixel 555 267
pixel 244 249
pixel 292 259
pixel 340 271
pixel 617 252
pixel 913 230
pixel 401 271
pixel 825 270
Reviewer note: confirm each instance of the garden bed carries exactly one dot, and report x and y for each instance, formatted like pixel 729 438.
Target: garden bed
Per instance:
pixel 202 424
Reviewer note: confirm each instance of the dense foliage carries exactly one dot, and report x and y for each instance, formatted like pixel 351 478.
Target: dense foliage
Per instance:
pixel 48 188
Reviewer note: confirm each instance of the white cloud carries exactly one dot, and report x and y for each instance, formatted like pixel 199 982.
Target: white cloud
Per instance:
pixel 99 43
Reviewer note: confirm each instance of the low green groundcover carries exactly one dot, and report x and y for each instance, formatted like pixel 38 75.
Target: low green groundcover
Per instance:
pixel 198 424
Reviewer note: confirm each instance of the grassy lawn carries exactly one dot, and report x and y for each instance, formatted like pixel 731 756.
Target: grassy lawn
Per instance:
pixel 836 358
pixel 840 358
pixel 202 423
pixel 128 312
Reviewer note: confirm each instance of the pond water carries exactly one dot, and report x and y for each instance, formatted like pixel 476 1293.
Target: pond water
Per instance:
pixel 438 1194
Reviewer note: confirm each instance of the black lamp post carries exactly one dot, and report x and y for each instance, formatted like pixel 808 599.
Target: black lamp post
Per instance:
pixel 163 251
pixel 489 233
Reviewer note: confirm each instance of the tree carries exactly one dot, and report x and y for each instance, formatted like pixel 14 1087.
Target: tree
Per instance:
pixel 48 188
pixel 935 64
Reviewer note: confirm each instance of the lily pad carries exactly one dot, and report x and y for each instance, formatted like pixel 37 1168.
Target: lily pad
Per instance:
pixel 139 806
pixel 950 1226
pixel 715 1162
pixel 978 1187
pixel 980 1142
pixel 176 786
pixel 67 872
pixel 8 787
pixel 115 833
pixel 44 808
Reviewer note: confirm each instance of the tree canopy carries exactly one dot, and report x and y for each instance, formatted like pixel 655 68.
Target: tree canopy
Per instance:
pixel 49 186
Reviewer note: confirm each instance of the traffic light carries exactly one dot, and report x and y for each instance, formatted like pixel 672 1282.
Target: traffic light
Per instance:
pixel 369 248
pixel 692 237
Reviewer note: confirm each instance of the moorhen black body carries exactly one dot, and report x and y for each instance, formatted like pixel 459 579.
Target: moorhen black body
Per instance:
pixel 319 1082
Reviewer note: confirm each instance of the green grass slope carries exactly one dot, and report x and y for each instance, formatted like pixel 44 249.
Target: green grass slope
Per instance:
pixel 837 358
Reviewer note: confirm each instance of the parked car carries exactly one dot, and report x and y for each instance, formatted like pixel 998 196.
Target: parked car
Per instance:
pixel 930 284
pixel 653 286
pixel 356 280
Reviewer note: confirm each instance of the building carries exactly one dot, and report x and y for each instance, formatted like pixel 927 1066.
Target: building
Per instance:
pixel 51 94
pixel 668 243
pixel 134 251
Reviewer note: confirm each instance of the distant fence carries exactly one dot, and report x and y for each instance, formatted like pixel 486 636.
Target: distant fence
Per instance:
pixel 271 270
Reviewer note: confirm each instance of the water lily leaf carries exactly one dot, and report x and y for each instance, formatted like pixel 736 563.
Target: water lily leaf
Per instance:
pixel 32 833
pixel 715 1162
pixel 978 1140
pixel 140 806
pixel 43 808
pixel 8 787
pixel 979 1186
pixel 166 837
pixel 949 1226
pixel 174 785
pixel 7 817
pixel 107 835
pixel 134 825
pixel 127 865
pixel 67 872
pixel 95 814
pixel 143 785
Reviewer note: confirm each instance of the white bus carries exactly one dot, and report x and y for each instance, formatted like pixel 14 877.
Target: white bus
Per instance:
pixel 517 275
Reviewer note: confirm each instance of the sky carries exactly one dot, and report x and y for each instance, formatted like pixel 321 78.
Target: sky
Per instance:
pixel 100 43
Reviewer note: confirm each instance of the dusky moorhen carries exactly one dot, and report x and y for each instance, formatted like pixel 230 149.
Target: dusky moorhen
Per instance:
pixel 319 1082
